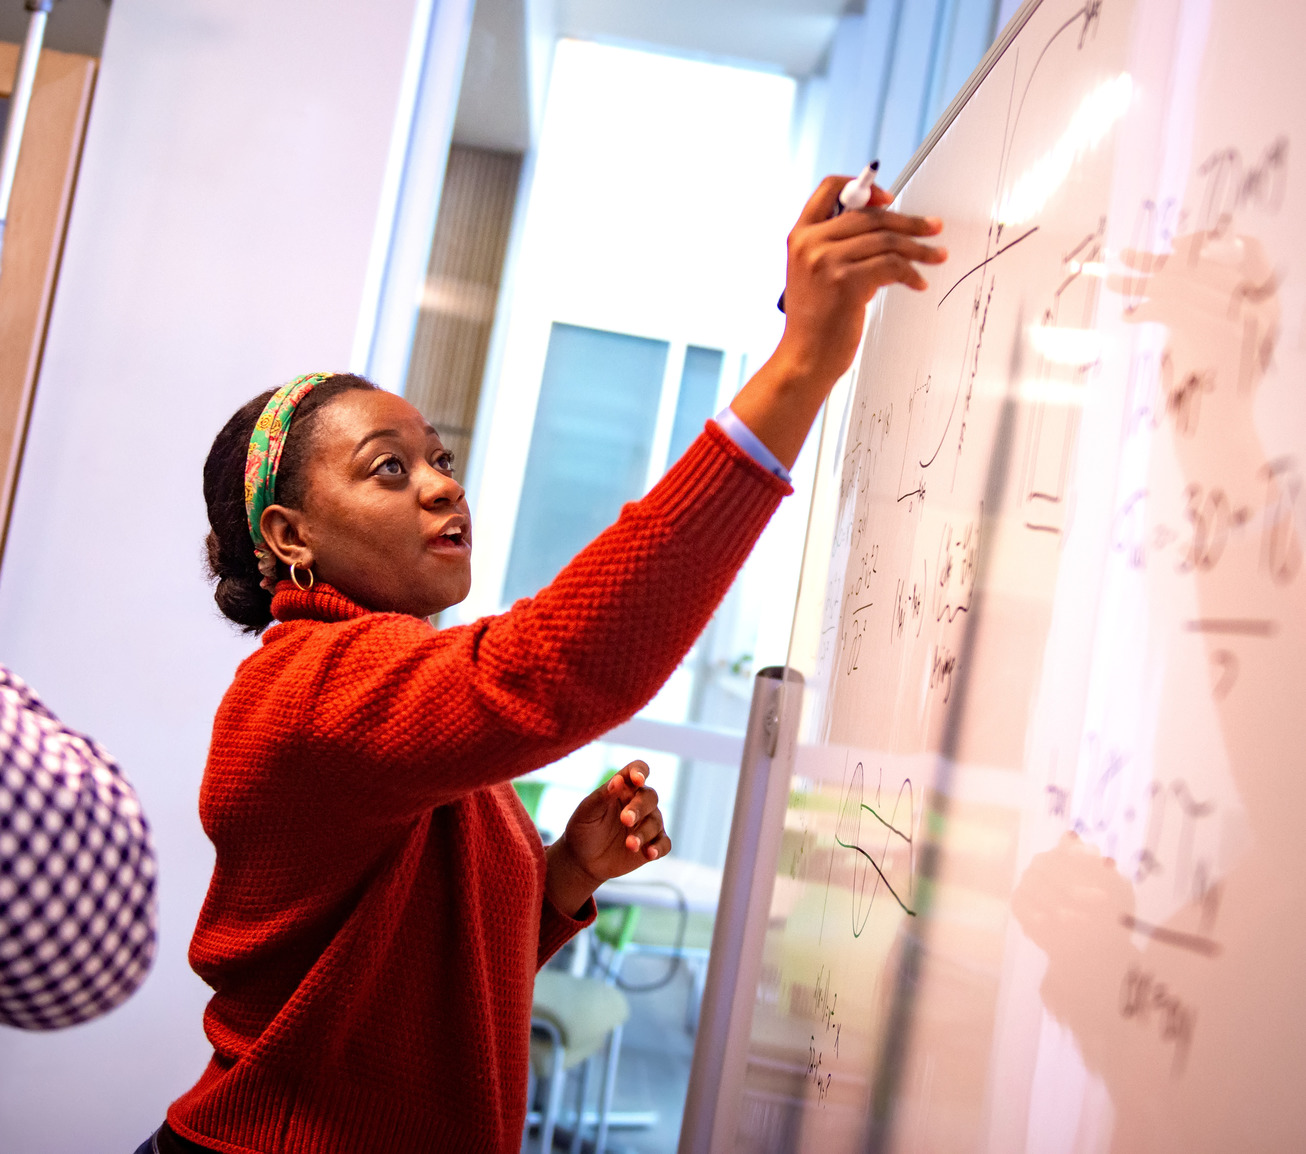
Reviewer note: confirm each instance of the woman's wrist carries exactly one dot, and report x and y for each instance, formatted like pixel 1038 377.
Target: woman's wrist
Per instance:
pixel 781 400
pixel 567 883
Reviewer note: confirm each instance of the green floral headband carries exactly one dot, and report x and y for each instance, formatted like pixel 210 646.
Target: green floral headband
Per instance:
pixel 265 445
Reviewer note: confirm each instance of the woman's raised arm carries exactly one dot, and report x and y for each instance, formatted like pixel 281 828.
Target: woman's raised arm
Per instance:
pixel 449 712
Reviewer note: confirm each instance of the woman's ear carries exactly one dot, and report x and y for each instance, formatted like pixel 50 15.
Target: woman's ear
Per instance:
pixel 283 532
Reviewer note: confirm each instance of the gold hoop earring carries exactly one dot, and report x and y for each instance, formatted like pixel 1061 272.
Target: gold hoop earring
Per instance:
pixel 295 577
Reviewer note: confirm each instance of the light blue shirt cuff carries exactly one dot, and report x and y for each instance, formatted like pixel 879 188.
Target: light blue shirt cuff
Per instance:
pixel 748 440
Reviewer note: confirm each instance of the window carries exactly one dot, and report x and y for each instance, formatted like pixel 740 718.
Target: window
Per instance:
pixel 590 447
pixel 700 381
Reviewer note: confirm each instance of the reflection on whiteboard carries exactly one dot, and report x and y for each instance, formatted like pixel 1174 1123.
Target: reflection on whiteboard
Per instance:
pixel 1039 886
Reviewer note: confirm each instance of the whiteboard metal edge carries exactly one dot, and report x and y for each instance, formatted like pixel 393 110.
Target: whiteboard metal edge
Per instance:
pixel 982 69
pixel 725 1017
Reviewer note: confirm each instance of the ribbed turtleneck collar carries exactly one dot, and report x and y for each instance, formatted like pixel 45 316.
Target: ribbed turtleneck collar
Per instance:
pixel 321 603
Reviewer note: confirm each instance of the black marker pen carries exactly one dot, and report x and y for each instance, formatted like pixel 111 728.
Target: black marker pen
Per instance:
pixel 855 194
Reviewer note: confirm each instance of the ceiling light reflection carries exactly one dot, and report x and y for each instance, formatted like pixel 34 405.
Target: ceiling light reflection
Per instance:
pixel 1053 393
pixel 1076 348
pixel 1098 111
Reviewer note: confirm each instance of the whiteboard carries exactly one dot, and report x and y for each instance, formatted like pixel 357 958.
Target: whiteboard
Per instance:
pixel 1039 885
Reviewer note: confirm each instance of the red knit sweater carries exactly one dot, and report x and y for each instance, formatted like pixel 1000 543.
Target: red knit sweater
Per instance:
pixel 377 912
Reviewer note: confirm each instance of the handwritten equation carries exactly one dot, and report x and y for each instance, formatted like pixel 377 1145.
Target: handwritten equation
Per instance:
pixel 818 1004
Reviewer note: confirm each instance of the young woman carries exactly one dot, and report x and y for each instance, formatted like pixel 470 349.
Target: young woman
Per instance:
pixel 380 901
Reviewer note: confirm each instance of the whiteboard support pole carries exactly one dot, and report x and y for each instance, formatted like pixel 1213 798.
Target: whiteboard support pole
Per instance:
pixel 721 1046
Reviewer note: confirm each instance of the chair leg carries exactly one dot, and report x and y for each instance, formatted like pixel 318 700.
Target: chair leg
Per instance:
pixel 612 969
pixel 582 953
pixel 557 1079
pixel 578 1134
pixel 609 1087
pixel 532 1085
pixel 697 987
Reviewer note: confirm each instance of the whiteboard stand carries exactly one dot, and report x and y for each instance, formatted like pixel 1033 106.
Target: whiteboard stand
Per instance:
pixel 721 1048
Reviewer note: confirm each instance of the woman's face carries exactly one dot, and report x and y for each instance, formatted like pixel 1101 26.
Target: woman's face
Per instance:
pixel 383 519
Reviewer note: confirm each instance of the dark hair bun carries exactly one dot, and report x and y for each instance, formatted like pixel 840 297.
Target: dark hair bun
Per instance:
pixel 240 596
pixel 229 549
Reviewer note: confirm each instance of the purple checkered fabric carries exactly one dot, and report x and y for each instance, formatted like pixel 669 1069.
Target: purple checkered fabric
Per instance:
pixel 76 871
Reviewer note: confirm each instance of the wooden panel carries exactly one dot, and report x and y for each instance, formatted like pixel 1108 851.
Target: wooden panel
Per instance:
pixel 462 289
pixel 33 242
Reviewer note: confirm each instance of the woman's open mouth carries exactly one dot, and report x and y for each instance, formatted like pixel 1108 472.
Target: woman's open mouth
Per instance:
pixel 453 538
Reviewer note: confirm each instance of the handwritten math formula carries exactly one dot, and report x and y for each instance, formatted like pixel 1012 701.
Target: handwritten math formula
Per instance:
pixel 818 1004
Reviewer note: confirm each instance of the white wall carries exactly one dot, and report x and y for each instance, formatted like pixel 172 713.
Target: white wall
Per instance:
pixel 219 243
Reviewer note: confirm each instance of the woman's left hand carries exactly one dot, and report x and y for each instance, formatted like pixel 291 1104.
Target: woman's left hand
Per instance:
pixel 613 831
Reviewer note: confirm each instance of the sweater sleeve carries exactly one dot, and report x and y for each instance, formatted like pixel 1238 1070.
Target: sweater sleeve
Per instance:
pixel 443 713
pixel 557 928
pixel 77 929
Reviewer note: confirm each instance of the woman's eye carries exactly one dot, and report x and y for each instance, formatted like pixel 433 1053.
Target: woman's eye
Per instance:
pixel 389 467
pixel 444 462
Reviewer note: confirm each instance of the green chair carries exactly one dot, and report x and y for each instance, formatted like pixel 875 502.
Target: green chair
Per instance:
pixel 654 931
pixel 572 1019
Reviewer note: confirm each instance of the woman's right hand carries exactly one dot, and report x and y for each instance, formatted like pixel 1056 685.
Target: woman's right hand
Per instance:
pixel 836 265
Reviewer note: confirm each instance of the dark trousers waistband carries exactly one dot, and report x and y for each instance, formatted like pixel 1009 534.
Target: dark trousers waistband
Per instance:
pixel 165 1140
